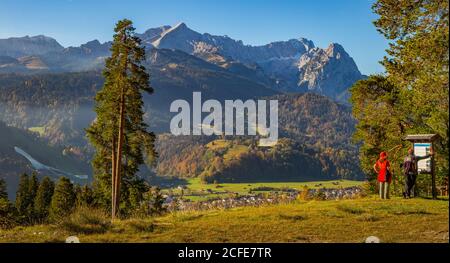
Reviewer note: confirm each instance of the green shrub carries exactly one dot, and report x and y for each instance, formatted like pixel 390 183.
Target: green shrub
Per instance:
pixel 8 217
pixel 152 203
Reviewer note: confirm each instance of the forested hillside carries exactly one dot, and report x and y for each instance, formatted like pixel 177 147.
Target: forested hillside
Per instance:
pixel 316 144
pixel 63 103
pixel 317 130
pixel 13 164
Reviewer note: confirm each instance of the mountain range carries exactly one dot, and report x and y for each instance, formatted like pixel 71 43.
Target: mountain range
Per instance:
pixel 295 65
pixel 47 91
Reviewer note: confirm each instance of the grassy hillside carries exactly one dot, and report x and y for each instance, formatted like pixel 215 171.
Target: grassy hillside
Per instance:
pixel 395 220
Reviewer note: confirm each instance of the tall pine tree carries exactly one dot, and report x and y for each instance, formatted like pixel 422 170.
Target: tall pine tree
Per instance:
pixel 85 197
pixel 119 133
pixel 23 198
pixel 7 210
pixel 63 199
pixel 43 198
pixel 3 192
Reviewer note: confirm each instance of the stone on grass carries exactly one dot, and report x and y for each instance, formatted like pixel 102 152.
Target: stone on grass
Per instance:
pixel 72 239
pixel 372 239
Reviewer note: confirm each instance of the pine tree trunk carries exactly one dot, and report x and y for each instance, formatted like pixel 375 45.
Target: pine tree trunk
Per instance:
pixel 118 165
pixel 113 179
pixel 119 150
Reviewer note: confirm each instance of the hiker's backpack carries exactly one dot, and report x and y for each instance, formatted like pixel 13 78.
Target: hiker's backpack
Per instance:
pixel 409 165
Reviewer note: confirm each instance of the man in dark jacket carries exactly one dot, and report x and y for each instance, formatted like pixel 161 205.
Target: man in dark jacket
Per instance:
pixel 410 170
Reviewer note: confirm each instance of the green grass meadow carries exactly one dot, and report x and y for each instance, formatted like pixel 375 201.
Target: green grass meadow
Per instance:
pixel 395 220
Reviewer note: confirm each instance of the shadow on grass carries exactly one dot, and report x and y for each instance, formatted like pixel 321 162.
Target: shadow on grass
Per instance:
pixel 411 212
pixel 292 217
pixel 183 218
pixel 439 198
pixel 350 209
pixel 141 226
pixel 86 221
pixel 368 218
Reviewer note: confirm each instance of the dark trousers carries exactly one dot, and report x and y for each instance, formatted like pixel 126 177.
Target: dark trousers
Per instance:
pixel 410 181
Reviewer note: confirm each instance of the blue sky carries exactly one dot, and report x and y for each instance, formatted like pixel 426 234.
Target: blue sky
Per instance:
pixel 73 22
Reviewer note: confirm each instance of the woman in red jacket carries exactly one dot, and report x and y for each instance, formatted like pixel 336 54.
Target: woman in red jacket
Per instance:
pixel 383 168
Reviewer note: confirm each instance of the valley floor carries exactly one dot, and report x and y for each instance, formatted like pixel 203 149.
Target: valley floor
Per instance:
pixel 196 190
pixel 395 220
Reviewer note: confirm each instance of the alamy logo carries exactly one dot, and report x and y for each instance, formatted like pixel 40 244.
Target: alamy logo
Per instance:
pixel 235 111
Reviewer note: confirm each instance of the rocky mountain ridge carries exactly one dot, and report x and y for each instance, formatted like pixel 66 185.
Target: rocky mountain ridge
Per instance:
pixel 295 65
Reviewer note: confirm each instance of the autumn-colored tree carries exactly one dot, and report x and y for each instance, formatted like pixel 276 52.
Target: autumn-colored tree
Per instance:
pixel 413 95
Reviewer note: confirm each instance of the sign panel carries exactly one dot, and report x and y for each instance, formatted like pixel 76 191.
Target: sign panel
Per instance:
pixel 423 149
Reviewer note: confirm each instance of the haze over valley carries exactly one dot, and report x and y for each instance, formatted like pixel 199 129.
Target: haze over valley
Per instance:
pixel 47 90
